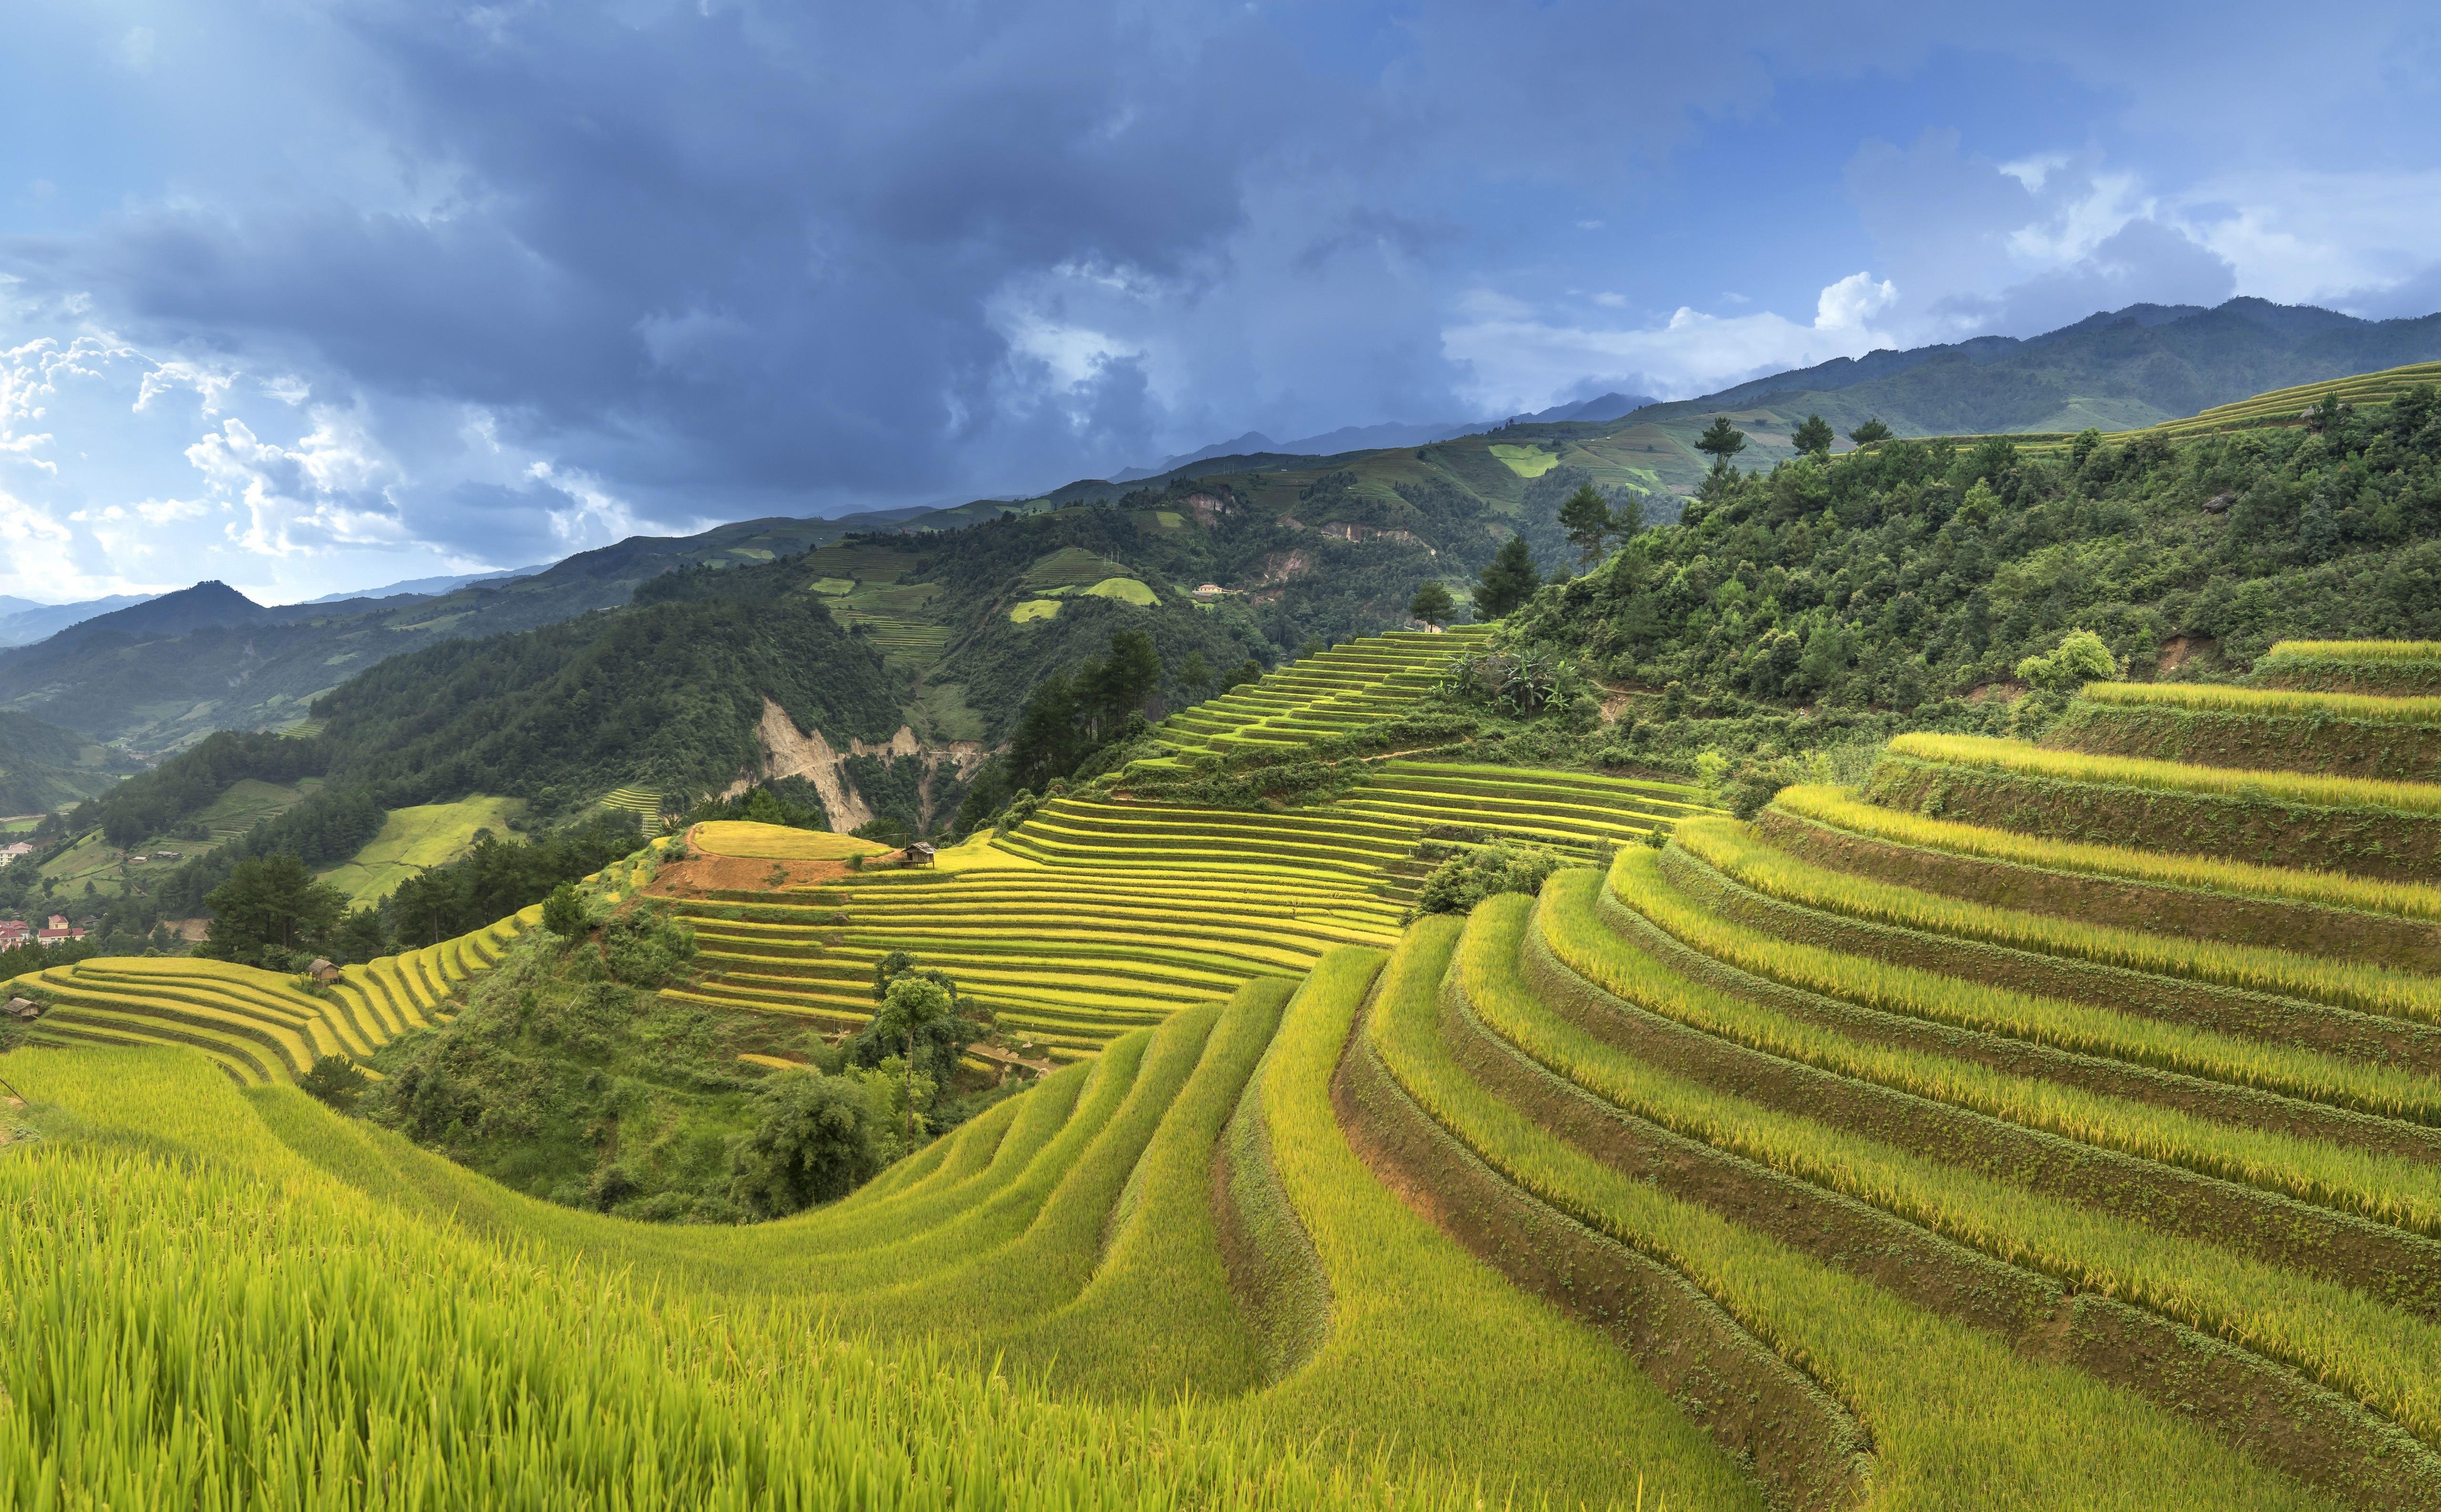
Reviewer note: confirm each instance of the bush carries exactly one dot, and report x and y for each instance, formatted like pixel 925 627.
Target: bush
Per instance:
pixel 647 947
pixel 1466 880
pixel 335 1080
pixel 563 913
pixel 814 1143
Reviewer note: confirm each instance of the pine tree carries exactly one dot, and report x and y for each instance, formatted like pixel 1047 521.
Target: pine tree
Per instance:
pixel 1723 441
pixel 1507 582
pixel 1586 519
pixel 1812 436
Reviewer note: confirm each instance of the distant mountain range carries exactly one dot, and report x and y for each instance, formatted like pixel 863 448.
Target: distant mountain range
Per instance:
pixel 430 586
pixel 1375 438
pixel 22 621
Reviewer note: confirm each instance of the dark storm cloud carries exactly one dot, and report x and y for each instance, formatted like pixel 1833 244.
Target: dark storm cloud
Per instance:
pixel 744 251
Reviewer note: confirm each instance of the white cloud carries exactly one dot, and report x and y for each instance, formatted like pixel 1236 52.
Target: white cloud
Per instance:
pixel 329 490
pixel 1519 361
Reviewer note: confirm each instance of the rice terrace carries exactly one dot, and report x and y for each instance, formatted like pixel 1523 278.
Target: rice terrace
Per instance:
pixel 1866 938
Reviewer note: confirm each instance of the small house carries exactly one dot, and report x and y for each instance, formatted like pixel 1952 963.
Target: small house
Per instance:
pixel 321 970
pixel 919 854
pixel 23 1008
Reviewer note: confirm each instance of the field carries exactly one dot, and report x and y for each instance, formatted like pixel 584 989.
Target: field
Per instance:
pixel 2006 1133
pixel 413 839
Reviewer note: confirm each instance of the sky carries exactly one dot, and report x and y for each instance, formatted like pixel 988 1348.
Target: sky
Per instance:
pixel 317 295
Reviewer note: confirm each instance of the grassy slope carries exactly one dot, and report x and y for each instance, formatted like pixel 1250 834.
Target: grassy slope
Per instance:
pixel 414 840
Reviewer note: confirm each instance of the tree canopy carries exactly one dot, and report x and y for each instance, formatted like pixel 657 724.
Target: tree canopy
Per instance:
pixel 1509 580
pixel 1721 440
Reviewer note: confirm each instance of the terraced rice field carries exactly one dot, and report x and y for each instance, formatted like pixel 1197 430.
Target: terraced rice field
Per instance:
pixel 260 1027
pixel 2033 1154
pixel 1330 693
pixel 1101 915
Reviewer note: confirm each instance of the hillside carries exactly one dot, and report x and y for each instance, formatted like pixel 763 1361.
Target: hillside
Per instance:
pixel 161 675
pixel 1907 1147
pixel 44 767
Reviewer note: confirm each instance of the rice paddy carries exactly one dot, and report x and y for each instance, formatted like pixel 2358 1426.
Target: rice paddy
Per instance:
pixel 1898 1150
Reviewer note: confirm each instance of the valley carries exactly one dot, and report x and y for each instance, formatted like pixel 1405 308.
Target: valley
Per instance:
pixel 1899 976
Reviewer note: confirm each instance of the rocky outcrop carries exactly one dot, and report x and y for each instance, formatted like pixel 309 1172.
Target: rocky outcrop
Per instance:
pixel 788 751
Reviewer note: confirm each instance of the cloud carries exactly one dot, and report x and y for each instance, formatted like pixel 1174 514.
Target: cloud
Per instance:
pixel 1513 352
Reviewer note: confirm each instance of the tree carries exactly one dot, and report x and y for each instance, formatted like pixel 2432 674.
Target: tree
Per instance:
pixel 1195 672
pixel 1507 581
pixel 811 1143
pixel 1723 441
pixel 911 1005
pixel 1111 688
pixel 1585 519
pixel 1812 436
pixel 335 1080
pixel 1432 604
pixel 1248 670
pixel 563 913
pixel 2081 657
pixel 1870 432
pixel 269 903
pixel 1046 743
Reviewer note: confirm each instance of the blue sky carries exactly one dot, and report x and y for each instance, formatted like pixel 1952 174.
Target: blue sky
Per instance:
pixel 320 293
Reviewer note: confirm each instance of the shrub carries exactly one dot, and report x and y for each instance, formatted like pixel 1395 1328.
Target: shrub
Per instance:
pixel 1466 880
pixel 812 1144
pixel 335 1080
pixel 563 913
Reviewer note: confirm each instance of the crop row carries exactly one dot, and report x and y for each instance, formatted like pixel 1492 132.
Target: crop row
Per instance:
pixel 1834 807
pixel 2173 776
pixel 236 1248
pixel 2249 823
pixel 1732 849
pixel 2283 702
pixel 1948 1357
pixel 1638 884
pixel 2335 1334
pixel 2386 1187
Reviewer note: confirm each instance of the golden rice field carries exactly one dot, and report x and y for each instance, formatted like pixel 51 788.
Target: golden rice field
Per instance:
pixel 1858 1157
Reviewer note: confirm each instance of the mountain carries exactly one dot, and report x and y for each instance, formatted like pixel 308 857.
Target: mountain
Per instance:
pixel 2118 370
pixel 161 675
pixel 1329 443
pixel 1606 406
pixel 24 622
pixel 206 604
pixel 426 586
pixel 44 767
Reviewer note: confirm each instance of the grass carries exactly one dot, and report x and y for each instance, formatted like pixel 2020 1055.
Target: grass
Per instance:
pixel 1033 609
pixel 179 1272
pixel 1957 1420
pixel 2383 1188
pixel 2168 777
pixel 412 840
pixel 776 843
pixel 2277 703
pixel 1526 462
pixel 1638 882
pixel 1834 807
pixel 1126 590
pixel 1732 849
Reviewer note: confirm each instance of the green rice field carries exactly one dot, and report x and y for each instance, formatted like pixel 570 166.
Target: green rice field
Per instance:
pixel 2027 1127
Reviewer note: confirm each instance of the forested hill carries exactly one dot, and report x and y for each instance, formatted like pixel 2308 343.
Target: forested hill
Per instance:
pixel 1915 573
pixel 45 767
pixel 160 675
